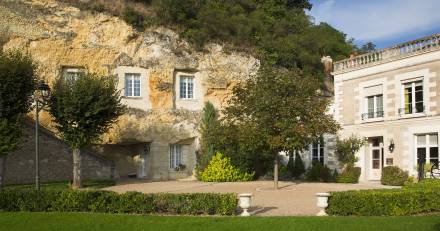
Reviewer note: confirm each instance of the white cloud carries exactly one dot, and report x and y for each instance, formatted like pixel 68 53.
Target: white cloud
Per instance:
pixel 378 20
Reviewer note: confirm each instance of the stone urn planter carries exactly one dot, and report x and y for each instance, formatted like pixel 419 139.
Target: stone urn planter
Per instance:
pixel 322 203
pixel 245 203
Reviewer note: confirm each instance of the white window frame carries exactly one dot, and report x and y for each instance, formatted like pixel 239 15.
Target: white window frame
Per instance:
pixel 413 96
pixel 427 146
pixel 320 147
pixel 75 72
pixel 375 111
pixel 175 155
pixel 131 93
pixel 400 79
pixel 363 94
pixel 184 78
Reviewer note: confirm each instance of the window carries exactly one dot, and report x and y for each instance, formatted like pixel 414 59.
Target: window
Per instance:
pixel 72 74
pixel 186 87
pixel 175 155
pixel 374 107
pixel 427 148
pixel 132 85
pixel 413 98
pixel 318 151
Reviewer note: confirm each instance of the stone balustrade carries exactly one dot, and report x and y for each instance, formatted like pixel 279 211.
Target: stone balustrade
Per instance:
pixel 396 52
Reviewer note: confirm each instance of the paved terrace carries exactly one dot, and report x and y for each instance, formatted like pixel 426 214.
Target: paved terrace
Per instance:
pixel 292 199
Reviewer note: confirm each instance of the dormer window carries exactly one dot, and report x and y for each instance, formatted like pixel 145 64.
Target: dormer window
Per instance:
pixel 186 86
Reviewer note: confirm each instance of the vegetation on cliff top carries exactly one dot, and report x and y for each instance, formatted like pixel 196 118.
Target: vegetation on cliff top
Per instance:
pixel 279 32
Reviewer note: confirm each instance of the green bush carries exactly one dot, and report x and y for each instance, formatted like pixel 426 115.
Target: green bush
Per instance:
pixel 393 175
pixel 220 169
pixel 110 202
pixel 391 202
pixel 424 184
pixel 133 17
pixel 284 172
pixel 319 172
pixel 298 166
pixel 349 175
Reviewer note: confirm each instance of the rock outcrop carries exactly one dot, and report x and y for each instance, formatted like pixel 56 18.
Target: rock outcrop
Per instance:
pixel 57 35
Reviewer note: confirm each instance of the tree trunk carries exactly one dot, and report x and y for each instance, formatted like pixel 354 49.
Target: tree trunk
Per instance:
pixel 76 169
pixel 275 172
pixel 2 169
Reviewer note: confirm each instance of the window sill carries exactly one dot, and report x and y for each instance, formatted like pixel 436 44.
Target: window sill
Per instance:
pixel 175 171
pixel 188 100
pixel 414 115
pixel 132 97
pixel 379 119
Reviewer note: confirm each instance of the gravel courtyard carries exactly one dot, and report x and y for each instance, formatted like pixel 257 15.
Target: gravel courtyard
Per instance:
pixel 292 199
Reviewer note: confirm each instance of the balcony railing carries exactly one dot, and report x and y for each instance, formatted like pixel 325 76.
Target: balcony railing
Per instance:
pixel 396 52
pixel 411 111
pixel 372 115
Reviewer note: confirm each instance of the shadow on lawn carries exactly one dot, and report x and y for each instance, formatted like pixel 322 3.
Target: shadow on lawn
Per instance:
pixel 255 210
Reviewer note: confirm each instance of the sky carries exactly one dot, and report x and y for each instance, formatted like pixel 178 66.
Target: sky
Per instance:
pixel 383 22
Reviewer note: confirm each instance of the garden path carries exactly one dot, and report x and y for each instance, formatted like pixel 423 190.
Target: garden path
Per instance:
pixel 292 199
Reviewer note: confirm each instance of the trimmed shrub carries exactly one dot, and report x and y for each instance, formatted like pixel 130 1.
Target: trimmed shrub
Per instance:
pixel 335 175
pixel 349 175
pixel 424 184
pixel 284 173
pixel 220 169
pixel 394 202
pixel 110 202
pixel 318 172
pixel 393 175
pixel 298 167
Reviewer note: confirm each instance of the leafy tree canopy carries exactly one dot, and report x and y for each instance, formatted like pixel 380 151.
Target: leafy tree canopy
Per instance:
pixel 277 31
pixel 17 84
pixel 346 150
pixel 284 106
pixel 85 108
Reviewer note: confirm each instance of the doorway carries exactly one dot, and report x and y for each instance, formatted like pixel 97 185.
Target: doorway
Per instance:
pixel 375 158
pixel 143 162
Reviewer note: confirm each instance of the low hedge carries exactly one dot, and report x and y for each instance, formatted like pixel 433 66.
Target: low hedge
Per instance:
pixel 111 202
pixel 393 175
pixel 414 199
pixel 349 175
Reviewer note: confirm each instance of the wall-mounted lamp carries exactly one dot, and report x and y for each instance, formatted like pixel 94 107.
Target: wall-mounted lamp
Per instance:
pixel 391 146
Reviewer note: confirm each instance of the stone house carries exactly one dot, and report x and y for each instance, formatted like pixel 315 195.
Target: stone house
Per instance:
pixel 391 97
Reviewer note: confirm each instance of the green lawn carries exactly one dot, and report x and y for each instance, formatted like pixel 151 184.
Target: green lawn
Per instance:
pixel 88 221
pixel 64 185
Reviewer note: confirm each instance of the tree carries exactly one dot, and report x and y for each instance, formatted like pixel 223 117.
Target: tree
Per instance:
pixel 17 83
pixel 286 108
pixel 208 129
pixel 346 150
pixel 83 110
pixel 278 32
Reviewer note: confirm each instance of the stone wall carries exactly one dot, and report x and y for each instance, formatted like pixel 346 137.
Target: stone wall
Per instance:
pixel 55 161
pixel 58 35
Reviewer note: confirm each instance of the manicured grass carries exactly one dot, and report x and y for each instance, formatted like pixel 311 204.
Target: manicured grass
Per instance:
pixel 107 222
pixel 64 185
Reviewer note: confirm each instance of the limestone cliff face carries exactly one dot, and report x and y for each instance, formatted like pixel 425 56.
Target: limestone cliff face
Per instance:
pixel 58 35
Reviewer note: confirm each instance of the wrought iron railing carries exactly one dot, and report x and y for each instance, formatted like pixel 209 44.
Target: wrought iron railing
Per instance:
pixel 411 110
pixel 372 115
